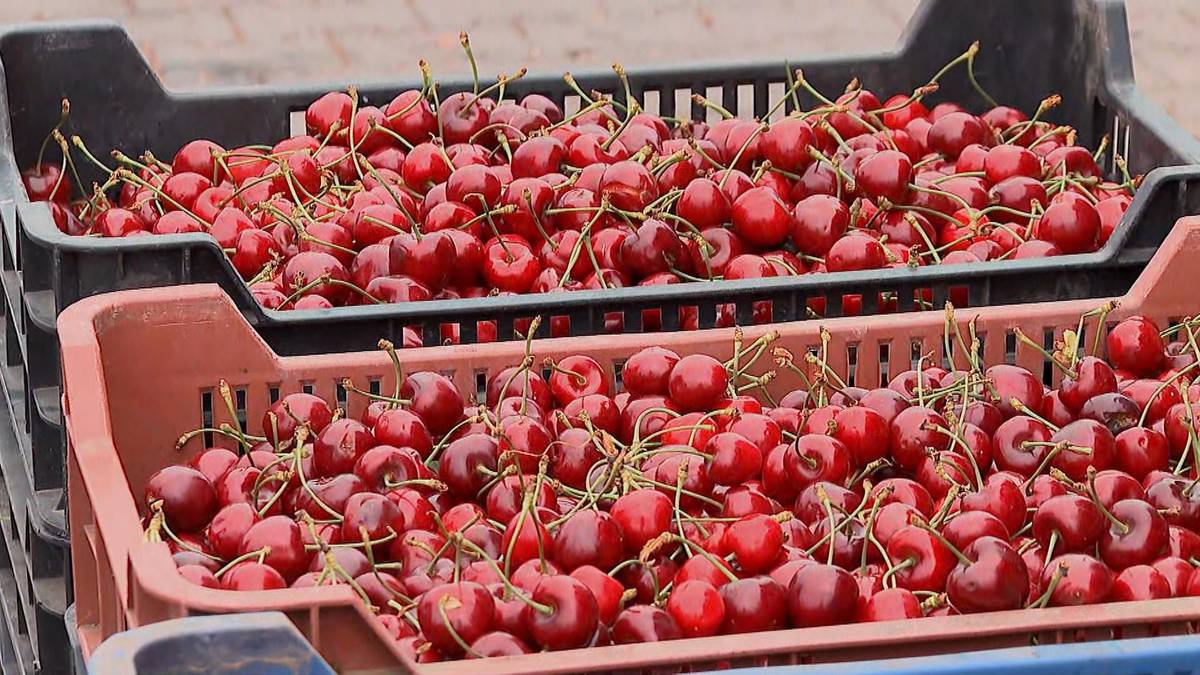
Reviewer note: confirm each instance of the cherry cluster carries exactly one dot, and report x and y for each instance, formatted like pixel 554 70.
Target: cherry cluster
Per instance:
pixel 557 513
pixel 472 194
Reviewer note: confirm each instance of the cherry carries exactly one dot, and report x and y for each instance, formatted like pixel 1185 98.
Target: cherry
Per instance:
pixel 572 616
pixel 1176 571
pixel 401 428
pixel 1140 582
pixel 199 575
pixel 891 604
pixel 884 175
pixel 644 623
pixel 1010 443
pixel 229 526
pixel 864 432
pixel 756 541
pixel 464 610
pixel 498 643
pixel 1072 225
pixel 652 248
pixel 786 143
pixel 1072 522
pixel 822 595
pixel 1140 451
pixel 1084 580
pixel 577 376
pixel 252 576
pixel 1137 535
pixel 993 577
pixel 1134 345
pixel 1088 444
pixel 813 458
pixel 853 253
pixel 953 132
pixel 1007 161
pixel 734 458
pixel 1091 377
pixel 643 515
pixel 697 382
pixel 646 373
pixel 589 538
pixel 921 560
pixel 279 537
pixel 697 608
pixel 435 399
pixel 187 498
pixel 339 446
pixel 913 433
pixel 753 604
pixel 818 222
pixel 968 526
pixel 214 463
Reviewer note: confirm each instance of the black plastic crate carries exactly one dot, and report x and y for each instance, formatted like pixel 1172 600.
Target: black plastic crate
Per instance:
pixel 1030 49
pixel 32 596
pixel 78 664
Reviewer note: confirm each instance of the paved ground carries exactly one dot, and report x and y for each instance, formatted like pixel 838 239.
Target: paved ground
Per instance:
pixel 199 42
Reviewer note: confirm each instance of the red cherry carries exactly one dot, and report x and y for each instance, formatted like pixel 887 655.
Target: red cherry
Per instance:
pixel 187 498
pixel 822 595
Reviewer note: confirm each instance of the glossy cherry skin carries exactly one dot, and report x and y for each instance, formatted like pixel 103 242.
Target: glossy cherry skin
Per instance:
pixel 1074 521
pixel 864 432
pixel 822 595
pixel 812 458
pixel 644 623
pixel 753 604
pixel 928 560
pixel 1134 345
pixel 966 527
pixel 642 515
pixel 589 538
pixel 1140 582
pixel 228 526
pixel 884 175
pixel 1098 441
pixel 912 435
pixel 1002 499
pixel 891 604
pixel 573 616
pixel 697 608
pixel 1009 444
pixel 468 609
pixel 1084 580
pixel 280 537
pixel 252 576
pixel 697 382
pixel 996 578
pixel 647 372
pixel 187 497
pixel 1140 537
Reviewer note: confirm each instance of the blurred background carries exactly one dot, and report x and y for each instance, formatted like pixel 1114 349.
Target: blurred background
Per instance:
pixel 197 43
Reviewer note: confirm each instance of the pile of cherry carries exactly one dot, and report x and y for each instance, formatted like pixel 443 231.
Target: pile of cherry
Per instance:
pixel 470 194
pixel 559 514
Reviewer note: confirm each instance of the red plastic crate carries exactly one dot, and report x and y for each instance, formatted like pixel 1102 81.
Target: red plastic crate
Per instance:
pixel 139 366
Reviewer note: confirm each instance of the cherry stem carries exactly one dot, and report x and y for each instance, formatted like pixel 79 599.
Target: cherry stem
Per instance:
pixel 1055 580
pixel 249 555
pixel 1091 489
pixel 712 559
pixel 895 569
pixel 962 558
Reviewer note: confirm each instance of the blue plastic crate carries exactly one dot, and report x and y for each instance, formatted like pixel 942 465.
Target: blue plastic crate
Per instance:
pixel 264 643
pixel 1147 656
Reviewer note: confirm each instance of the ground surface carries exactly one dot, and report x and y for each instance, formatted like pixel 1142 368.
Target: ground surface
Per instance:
pixel 198 42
